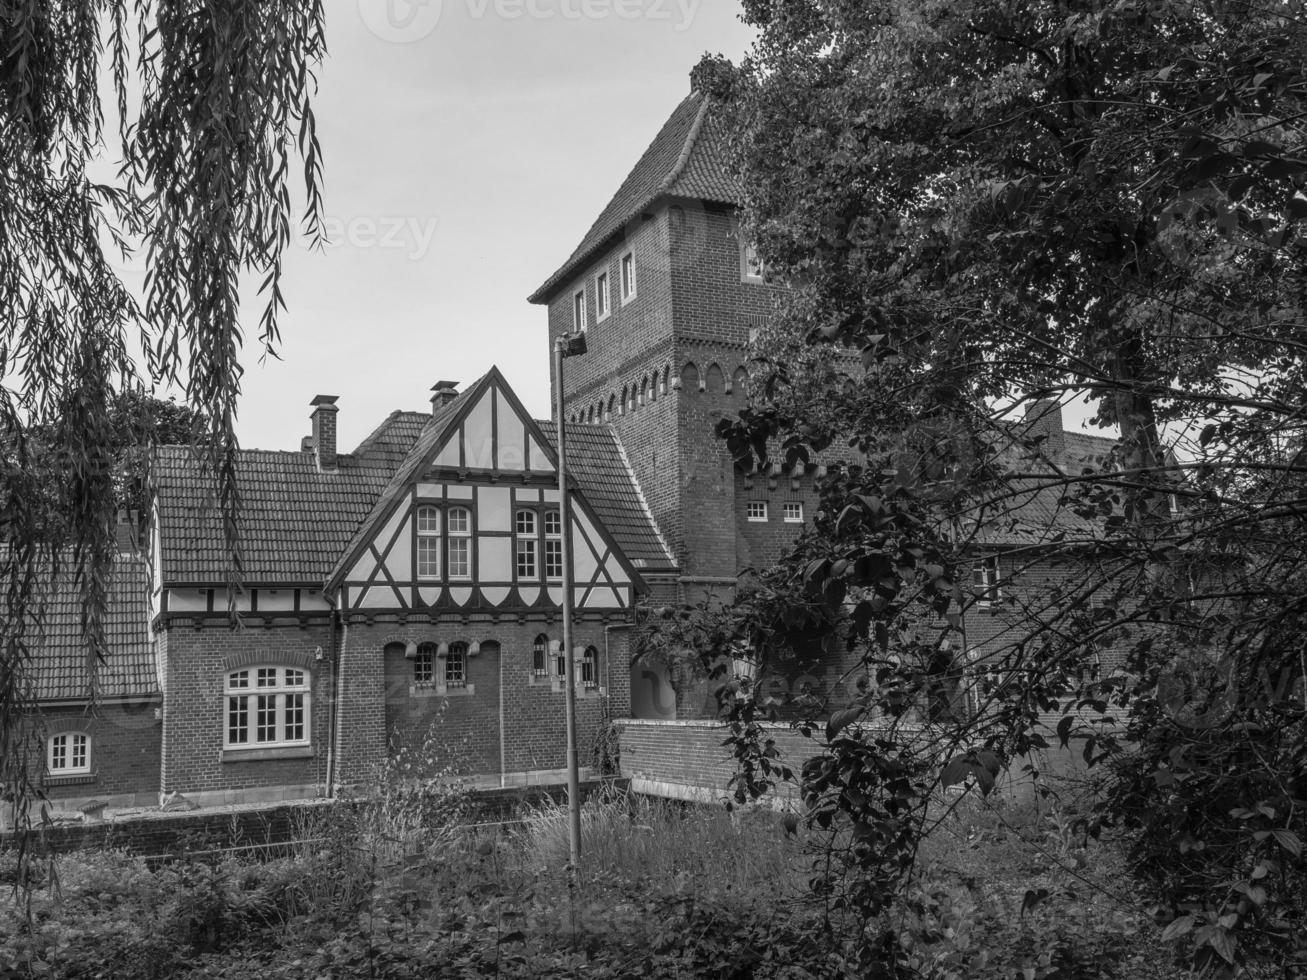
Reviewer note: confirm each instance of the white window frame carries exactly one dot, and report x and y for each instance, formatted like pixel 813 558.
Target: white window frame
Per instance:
pixel 627 277
pixel 426 538
pixel 792 512
pixel 579 318
pixel 68 743
pixel 756 511
pixel 280 690
pixel 603 296
pixel 463 537
pixel 553 544
pixel 987 582
pixel 526 544
pixel 751 266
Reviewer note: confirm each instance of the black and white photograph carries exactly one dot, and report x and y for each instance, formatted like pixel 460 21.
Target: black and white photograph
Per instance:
pixel 669 489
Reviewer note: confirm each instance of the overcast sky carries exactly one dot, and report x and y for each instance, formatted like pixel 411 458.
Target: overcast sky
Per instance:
pixel 469 144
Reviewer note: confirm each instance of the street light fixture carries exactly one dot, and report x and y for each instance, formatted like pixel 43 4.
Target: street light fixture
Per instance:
pixel 565 346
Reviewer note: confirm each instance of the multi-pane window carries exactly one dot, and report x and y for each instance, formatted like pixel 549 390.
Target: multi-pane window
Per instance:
pixel 267 706
pixel 69 754
pixel 456 665
pixel 590 668
pixel 601 296
pixel 751 267
pixel 458 529
pixel 986 582
pixel 428 540
pixel 527 544
pixel 793 513
pixel 553 544
pixel 578 310
pixel 540 656
pixel 757 510
pixel 424 664
pixel 628 276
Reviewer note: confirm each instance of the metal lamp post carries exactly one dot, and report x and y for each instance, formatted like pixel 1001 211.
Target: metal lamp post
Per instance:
pixel 565 346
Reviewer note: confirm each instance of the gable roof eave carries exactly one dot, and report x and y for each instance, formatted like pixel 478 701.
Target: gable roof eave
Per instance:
pixel 636 195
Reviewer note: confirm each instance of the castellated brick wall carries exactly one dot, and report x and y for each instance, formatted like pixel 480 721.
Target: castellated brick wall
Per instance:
pixel 670 364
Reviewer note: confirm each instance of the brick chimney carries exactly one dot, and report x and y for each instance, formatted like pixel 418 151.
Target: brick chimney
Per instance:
pixel 1044 418
pixel 442 393
pixel 324 430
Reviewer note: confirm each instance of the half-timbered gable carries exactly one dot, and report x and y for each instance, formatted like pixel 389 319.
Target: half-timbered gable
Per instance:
pixel 470 520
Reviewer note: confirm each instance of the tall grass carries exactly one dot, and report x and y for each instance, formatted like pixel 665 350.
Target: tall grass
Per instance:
pixel 631 839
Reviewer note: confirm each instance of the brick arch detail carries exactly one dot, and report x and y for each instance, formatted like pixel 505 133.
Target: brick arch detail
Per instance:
pixel 268 658
pixel 690 380
pixel 714 379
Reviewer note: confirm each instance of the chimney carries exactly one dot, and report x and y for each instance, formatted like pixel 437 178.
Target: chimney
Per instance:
pixel 442 393
pixel 1044 419
pixel 324 430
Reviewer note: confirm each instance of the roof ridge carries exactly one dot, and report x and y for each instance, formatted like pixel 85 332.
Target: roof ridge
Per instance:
pixel 691 138
pixel 639 490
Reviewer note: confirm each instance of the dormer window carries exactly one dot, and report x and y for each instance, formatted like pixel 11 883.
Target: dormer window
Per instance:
pixel 628 277
pixel 603 298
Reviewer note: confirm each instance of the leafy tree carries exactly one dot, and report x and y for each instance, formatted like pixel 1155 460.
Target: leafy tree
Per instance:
pixel 994 205
pixel 212 102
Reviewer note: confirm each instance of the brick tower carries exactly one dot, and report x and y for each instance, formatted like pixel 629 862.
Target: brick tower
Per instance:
pixel 669 296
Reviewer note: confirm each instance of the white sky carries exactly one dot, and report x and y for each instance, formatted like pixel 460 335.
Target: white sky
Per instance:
pixel 483 144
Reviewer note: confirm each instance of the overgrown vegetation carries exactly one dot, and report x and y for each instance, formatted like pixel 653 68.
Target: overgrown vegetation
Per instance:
pixel 667 890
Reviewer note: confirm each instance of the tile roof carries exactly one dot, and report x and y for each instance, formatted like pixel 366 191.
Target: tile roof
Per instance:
pixel 58 651
pixel 1034 513
pixel 294 519
pixel 686 159
pixel 603 474
pixel 403 475
pixel 299 524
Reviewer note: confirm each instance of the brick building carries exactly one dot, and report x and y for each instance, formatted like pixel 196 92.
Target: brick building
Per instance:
pixel 400 605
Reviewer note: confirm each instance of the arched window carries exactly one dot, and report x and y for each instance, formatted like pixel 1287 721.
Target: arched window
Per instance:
pixel 456 665
pixel 690 378
pixel 428 539
pixel 625 397
pixel 662 386
pixel 68 754
pixel 740 380
pixel 644 390
pixel 590 416
pixel 459 531
pixel 540 656
pixel 714 379
pixel 612 407
pixel 267 706
pixel 590 668
pixel 424 664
